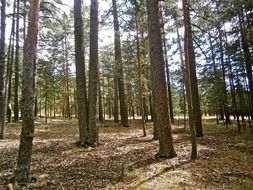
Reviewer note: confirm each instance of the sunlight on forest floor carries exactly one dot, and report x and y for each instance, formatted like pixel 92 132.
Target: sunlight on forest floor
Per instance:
pixel 126 160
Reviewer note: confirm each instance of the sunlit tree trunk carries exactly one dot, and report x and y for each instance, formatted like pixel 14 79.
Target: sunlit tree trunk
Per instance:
pixel 22 172
pixel 166 148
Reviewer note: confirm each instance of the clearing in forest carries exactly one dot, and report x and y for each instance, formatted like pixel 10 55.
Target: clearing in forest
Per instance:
pixel 126 160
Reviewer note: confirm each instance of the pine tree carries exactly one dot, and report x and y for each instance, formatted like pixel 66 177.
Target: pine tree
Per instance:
pixel 22 172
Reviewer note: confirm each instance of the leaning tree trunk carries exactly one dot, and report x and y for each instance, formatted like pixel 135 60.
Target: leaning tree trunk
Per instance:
pixel 166 148
pixel 22 172
pixel 80 72
pixel 93 74
pixel 119 68
pixel 2 69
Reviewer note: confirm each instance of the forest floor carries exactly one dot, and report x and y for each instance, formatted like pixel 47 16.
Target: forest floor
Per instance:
pixel 126 160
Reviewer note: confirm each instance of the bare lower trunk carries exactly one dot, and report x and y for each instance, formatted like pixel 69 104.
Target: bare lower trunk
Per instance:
pixel 80 72
pixel 189 82
pixel 22 172
pixel 93 75
pixel 166 148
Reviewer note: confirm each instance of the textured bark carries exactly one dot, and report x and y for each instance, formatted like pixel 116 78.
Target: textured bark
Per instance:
pixel 190 61
pixel 166 148
pixel 119 68
pixel 188 74
pixel 16 86
pixel 93 74
pixel 80 72
pixel 22 172
pixel 2 69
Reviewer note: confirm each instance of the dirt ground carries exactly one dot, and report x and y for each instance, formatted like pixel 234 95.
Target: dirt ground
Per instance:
pixel 126 160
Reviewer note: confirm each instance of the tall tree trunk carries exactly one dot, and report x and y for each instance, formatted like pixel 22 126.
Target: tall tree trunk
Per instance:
pixel 166 148
pixel 93 74
pixel 10 66
pixel 182 68
pixel 80 72
pixel 167 69
pixel 22 172
pixel 140 75
pixel 247 58
pixel 190 86
pixel 223 89
pixel 119 68
pixel 2 69
pixel 68 113
pixel 190 61
pixel 16 86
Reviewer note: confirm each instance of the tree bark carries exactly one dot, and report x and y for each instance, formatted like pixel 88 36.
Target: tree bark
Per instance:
pixel 2 69
pixel 166 148
pixel 22 172
pixel 80 72
pixel 100 102
pixel 10 61
pixel 16 86
pixel 93 74
pixel 167 69
pixel 223 89
pixel 190 61
pixel 140 74
pixel 119 68
pixel 247 59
